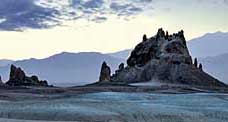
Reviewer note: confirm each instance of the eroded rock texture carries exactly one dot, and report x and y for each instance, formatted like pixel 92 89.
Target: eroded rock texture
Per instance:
pixel 19 78
pixel 1 83
pixel 164 58
pixel 105 73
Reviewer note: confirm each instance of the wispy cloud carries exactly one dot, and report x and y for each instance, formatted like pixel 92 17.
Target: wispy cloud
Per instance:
pixel 17 14
pixel 20 14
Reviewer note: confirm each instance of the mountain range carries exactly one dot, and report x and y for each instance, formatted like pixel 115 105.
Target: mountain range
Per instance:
pixel 217 66
pixel 66 69
pixel 5 62
pixel 211 44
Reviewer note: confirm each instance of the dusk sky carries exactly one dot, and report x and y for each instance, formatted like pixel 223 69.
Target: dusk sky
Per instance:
pixel 40 28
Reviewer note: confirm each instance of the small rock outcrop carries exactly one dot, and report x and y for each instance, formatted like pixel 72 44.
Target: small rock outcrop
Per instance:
pixel 195 63
pixel 200 66
pixel 144 37
pixel 121 67
pixel 105 73
pixel 19 78
pixel 1 83
pixel 164 58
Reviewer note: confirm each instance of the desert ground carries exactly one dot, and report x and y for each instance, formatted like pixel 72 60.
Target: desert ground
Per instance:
pixel 112 104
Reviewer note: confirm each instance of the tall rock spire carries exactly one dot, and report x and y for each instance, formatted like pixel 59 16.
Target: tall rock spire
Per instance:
pixel 105 73
pixel 195 63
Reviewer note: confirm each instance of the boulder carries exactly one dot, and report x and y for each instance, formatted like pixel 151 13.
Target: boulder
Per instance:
pixel 164 58
pixel 19 78
pixel 105 73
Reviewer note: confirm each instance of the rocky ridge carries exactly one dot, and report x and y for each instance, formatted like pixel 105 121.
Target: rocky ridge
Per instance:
pixel 164 58
pixel 19 78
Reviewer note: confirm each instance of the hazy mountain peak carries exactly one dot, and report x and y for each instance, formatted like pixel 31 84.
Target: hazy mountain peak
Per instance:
pixel 65 68
pixel 5 62
pixel 215 34
pixel 211 44
pixel 121 54
pixel 74 54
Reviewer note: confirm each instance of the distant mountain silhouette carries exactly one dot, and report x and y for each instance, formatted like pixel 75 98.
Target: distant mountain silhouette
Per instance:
pixel 121 54
pixel 211 44
pixel 5 62
pixel 216 66
pixel 65 69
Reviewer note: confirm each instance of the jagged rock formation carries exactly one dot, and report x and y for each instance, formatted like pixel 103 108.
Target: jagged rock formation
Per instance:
pixel 105 74
pixel 164 58
pixel 19 78
pixel 159 48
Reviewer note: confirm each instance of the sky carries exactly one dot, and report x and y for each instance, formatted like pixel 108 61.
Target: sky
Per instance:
pixel 40 28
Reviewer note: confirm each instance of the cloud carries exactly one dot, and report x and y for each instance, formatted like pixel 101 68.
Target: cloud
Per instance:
pixel 20 14
pixel 99 19
pixel 38 14
pixel 125 9
pixel 214 2
pixel 92 9
pixel 93 3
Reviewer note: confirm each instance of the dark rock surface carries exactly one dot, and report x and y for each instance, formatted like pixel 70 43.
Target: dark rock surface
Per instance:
pixel 164 58
pixel 19 78
pixel 121 67
pixel 195 63
pixel 144 38
pixel 105 73
pixel 1 83
pixel 172 49
pixel 200 66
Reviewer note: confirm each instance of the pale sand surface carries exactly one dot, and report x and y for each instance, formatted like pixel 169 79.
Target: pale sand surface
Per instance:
pixel 119 107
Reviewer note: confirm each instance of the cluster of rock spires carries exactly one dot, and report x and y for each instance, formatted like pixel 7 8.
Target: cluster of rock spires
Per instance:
pixel 163 58
pixel 19 78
